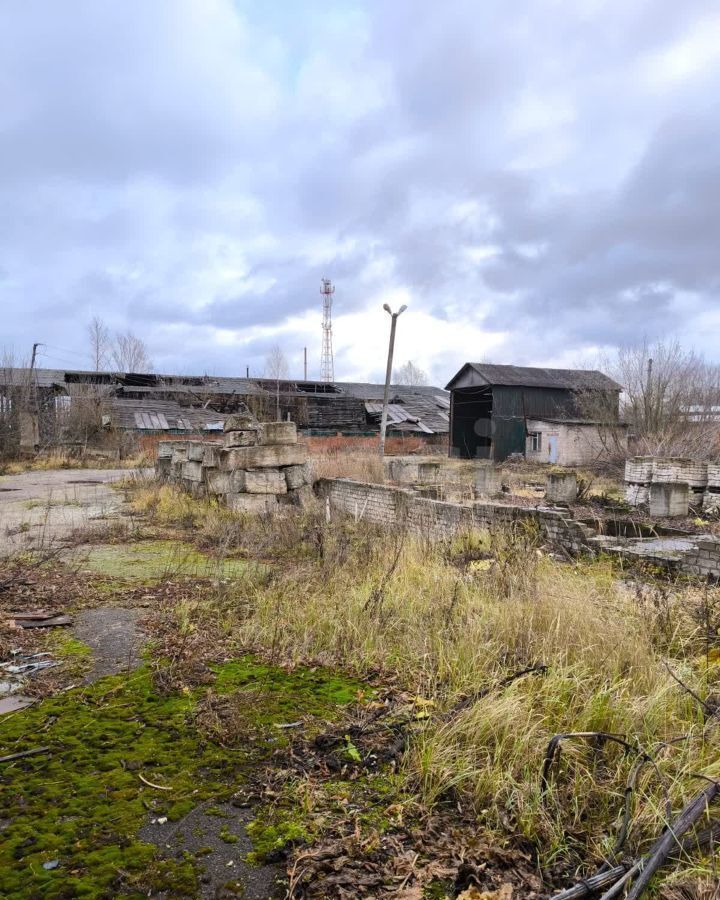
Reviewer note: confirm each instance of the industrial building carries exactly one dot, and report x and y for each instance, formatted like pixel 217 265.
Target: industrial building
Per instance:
pixel 562 416
pixel 39 407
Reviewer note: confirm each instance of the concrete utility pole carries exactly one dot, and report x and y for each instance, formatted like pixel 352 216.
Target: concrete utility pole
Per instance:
pixel 388 373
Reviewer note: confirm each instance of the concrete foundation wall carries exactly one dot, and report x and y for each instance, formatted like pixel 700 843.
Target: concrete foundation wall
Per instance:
pixel 438 520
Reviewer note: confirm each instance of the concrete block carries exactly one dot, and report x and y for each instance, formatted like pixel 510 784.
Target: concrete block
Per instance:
pixel 488 480
pixel 219 483
pixel 713 475
pixel 165 449
pixel 265 481
pixel 680 471
pixel 179 453
pixel 246 438
pixel 639 469
pixel 278 433
pixel 254 504
pixel 297 476
pixel 561 487
pixel 411 470
pixel 711 502
pixel 637 494
pixel 195 450
pixel 263 457
pixel 211 455
pixel 302 497
pixel 667 499
pixel 192 470
pixel 239 422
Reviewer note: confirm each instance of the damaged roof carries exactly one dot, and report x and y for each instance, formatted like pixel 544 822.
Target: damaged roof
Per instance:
pixel 149 401
pixel 159 415
pixel 530 376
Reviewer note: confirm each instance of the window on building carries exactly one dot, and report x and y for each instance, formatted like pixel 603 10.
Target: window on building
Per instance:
pixel 535 441
pixel 5 405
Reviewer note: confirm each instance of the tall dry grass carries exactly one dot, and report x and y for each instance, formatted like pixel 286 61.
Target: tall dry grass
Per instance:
pixel 454 633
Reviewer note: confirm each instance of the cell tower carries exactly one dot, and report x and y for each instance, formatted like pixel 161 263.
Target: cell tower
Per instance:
pixel 327 364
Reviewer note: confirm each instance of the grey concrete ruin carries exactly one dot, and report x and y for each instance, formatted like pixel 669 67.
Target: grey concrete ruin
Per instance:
pixel 253 469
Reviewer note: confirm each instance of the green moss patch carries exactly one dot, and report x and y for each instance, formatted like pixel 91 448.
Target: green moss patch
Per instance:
pixel 84 802
pixel 154 560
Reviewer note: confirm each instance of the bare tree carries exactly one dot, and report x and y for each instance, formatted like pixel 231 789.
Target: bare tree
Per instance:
pixel 276 367
pixel 130 353
pixel 100 343
pixel 410 374
pixel 670 399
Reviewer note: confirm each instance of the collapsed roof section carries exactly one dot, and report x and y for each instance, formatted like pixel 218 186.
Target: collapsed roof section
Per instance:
pixel 155 402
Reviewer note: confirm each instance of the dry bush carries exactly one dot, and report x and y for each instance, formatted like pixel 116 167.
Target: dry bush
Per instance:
pixel 453 623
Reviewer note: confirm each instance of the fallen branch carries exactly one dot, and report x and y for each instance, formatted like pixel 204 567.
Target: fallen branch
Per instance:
pixel 554 746
pixel 609 877
pixel 709 711
pixel 12 756
pixel 671 838
pixel 592 884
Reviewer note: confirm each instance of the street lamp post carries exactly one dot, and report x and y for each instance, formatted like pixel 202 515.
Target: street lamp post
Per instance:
pixel 388 373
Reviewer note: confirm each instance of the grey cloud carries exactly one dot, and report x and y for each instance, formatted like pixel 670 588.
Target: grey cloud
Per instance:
pixel 161 165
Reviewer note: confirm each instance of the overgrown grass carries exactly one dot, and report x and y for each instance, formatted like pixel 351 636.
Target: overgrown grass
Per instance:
pixel 455 633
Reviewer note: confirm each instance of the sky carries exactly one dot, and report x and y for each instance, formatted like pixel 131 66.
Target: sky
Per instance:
pixel 538 181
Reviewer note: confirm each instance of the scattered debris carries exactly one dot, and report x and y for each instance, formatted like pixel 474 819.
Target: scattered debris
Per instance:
pixel 158 787
pixel 11 756
pixel 51 864
pixel 20 620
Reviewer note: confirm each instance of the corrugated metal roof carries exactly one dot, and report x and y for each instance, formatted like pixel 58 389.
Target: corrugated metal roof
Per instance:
pixel 529 376
pixel 159 415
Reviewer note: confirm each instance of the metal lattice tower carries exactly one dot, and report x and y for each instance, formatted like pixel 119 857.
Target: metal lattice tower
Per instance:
pixel 327 363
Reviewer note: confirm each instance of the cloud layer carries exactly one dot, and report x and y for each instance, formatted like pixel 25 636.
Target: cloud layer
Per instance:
pixel 536 182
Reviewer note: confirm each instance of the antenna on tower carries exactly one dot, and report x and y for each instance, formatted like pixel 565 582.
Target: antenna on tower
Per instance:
pixel 327 363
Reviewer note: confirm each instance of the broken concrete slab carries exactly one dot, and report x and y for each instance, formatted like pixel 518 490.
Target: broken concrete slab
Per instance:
pixel 265 481
pixel 278 433
pixel 192 471
pixel 245 438
pixel 256 504
pixel 195 450
pixel 219 483
pixel 262 457
pixel 239 422
pixel 297 476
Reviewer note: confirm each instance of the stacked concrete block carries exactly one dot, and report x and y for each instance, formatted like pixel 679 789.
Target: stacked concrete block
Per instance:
pixel 254 468
pixel 412 470
pixel 668 499
pixel 643 471
pixel 683 471
pixel 711 497
pixel 561 487
pixel 638 476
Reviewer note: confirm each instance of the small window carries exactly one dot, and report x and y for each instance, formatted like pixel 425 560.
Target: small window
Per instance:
pixel 535 441
pixel 5 405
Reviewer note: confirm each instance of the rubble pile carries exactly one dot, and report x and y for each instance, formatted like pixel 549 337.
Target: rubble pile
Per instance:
pixel 253 469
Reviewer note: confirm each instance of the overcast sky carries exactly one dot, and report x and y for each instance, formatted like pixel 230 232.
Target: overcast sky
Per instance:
pixel 536 180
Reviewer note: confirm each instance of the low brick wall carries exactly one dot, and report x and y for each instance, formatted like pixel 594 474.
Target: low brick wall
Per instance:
pixel 439 520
